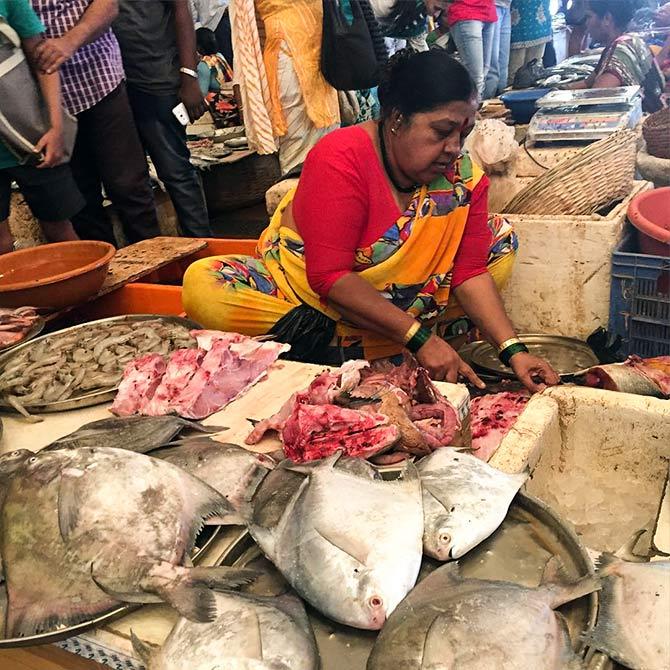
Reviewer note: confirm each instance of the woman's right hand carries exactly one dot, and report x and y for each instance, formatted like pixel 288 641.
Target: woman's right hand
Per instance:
pixel 444 364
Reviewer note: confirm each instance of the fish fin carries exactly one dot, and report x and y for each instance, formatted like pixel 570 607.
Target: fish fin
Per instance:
pixel 627 551
pixel 346 543
pixel 198 427
pixel 434 493
pixel 68 505
pixel 607 564
pixel 191 593
pixel 145 650
pixel 608 636
pixel 264 538
pixel 565 593
pixel 555 572
pixel 210 505
pixel 141 598
pixel 409 474
pixel 234 518
pixel 308 468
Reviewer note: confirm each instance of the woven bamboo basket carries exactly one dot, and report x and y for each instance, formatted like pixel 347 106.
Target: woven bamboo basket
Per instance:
pixel 656 133
pixel 597 176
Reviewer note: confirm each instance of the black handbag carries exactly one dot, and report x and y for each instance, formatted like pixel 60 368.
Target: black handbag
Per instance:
pixel 348 57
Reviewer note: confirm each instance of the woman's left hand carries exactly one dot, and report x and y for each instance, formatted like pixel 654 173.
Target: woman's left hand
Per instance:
pixel 528 368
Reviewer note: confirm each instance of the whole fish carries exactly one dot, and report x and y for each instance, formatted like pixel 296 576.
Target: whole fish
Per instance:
pixel 451 623
pixel 349 545
pixel 464 501
pixel 136 433
pixel 634 614
pixel 249 633
pixel 100 527
pixel 231 470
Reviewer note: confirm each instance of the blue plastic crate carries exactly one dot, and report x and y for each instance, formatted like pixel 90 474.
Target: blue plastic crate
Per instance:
pixel 640 299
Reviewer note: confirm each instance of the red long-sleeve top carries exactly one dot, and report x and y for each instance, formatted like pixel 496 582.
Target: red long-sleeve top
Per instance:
pixel 472 10
pixel 344 202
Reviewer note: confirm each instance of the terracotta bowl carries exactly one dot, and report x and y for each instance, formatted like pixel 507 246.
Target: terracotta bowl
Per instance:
pixel 54 276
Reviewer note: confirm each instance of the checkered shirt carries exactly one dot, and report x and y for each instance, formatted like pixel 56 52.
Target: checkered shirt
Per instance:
pixel 95 69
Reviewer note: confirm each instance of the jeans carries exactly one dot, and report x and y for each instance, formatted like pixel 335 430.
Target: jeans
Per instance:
pixel 164 138
pixel 108 151
pixel 496 79
pixel 474 41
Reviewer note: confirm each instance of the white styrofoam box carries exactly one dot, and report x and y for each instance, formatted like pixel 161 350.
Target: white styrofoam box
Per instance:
pixel 561 279
pixel 598 458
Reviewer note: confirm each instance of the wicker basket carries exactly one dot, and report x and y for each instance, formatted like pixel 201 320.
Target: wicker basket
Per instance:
pixel 656 132
pixel 597 176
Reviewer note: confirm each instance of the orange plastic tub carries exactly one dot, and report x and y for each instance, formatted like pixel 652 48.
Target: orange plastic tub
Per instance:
pixel 649 212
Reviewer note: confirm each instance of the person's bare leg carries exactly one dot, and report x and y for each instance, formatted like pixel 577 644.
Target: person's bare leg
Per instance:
pixel 6 239
pixel 58 231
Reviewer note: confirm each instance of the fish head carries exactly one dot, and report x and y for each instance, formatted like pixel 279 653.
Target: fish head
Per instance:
pixel 13 461
pixel 372 605
pixel 438 538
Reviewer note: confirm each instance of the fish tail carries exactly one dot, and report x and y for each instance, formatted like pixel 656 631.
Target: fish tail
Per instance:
pixel 191 592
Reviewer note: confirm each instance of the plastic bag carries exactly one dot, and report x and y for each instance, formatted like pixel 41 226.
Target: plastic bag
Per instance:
pixel 308 331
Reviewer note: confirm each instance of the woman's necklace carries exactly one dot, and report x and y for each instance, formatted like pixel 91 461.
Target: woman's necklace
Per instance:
pixel 387 165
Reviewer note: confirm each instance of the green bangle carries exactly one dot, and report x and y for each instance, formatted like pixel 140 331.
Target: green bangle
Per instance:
pixel 419 339
pixel 506 354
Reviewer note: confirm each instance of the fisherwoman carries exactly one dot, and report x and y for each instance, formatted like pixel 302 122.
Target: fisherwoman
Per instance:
pixel 386 240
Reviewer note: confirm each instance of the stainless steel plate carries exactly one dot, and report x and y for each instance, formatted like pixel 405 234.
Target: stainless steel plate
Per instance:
pixel 202 544
pixel 566 354
pixel 37 328
pixel 89 398
pixel 518 552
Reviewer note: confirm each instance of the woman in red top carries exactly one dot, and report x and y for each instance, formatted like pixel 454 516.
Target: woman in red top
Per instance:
pixel 471 24
pixel 385 240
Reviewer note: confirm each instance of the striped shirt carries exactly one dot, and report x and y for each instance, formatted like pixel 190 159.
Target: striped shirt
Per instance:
pixel 95 69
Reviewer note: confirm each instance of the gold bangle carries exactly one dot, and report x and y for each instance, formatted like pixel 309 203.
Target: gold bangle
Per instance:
pixel 507 343
pixel 413 329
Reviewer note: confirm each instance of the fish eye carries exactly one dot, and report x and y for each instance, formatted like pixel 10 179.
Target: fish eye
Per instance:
pixel 375 602
pixel 32 459
pixel 445 538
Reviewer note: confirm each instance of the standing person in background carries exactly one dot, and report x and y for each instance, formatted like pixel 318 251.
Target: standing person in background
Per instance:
pixel 48 188
pixel 472 25
pixel 108 151
pixel 304 105
pixel 496 80
pixel 531 30
pixel 214 15
pixel 157 41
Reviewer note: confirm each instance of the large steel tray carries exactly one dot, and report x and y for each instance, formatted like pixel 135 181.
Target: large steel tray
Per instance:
pixel 518 552
pixel 90 398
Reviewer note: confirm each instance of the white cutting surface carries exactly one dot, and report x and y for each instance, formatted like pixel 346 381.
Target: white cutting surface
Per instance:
pixel 260 402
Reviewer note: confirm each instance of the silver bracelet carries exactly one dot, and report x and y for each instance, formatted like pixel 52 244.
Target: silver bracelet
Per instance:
pixel 189 72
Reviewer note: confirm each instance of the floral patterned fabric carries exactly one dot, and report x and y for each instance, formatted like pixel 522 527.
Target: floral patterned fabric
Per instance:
pixel 531 23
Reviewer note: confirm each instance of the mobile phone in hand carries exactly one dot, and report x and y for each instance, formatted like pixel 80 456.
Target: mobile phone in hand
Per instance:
pixel 181 114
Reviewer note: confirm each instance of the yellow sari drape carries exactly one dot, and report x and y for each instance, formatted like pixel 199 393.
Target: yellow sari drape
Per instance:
pixel 410 265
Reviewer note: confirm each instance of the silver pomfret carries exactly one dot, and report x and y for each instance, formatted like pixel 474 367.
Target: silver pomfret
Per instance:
pixel 349 545
pixel 464 499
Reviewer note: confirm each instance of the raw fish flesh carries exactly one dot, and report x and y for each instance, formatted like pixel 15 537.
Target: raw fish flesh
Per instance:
pixel 349 545
pixel 491 418
pixel 249 633
pixel 196 383
pixel 141 378
pixel 100 527
pixel 313 432
pixel 633 624
pixel 452 623
pixel 464 501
